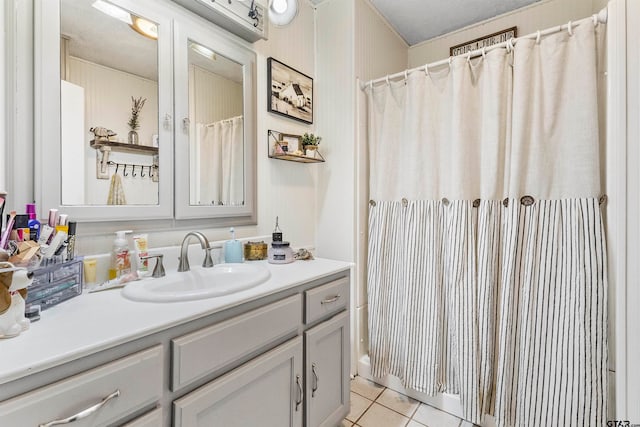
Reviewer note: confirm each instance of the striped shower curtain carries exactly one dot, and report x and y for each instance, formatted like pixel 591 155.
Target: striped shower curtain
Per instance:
pixel 487 256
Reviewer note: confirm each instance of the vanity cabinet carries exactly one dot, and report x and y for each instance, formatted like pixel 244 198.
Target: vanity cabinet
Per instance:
pixel 267 391
pixel 274 389
pixel 280 360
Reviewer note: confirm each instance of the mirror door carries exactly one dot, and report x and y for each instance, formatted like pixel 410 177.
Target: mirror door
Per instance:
pixel 215 130
pixel 104 109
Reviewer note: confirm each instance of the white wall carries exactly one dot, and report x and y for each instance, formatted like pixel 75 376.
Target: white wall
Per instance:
pixel 353 42
pixel 623 207
pixel 538 16
pixel 287 189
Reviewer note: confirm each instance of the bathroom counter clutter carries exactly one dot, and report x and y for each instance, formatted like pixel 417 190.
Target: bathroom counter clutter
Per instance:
pixel 94 322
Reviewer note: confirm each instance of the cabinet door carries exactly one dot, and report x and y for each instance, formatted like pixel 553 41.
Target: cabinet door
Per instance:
pixel 327 372
pixel 265 392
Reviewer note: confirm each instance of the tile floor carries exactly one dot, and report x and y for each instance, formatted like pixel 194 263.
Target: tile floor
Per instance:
pixel 373 405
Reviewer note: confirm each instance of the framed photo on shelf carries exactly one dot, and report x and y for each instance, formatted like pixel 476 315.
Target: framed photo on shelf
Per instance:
pixel 290 92
pixel 285 143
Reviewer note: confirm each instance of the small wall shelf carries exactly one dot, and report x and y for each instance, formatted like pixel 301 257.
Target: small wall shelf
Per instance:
pixel 294 158
pixel 283 145
pixel 104 149
pixel 122 146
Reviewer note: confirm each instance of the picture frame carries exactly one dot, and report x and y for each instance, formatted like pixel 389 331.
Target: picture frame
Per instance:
pixel 288 142
pixel 484 41
pixel 290 92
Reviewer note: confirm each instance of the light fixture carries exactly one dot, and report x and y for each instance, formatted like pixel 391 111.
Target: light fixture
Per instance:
pixel 144 27
pixel 140 25
pixel 113 11
pixel 204 51
pixel 282 12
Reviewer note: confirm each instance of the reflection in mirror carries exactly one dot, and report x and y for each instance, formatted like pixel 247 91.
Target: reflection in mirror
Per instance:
pixel 109 105
pixel 216 129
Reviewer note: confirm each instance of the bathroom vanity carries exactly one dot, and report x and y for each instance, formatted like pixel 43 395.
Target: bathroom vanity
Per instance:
pixel 274 355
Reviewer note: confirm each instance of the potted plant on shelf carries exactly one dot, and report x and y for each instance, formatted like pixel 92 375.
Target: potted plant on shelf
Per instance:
pixel 134 121
pixel 310 144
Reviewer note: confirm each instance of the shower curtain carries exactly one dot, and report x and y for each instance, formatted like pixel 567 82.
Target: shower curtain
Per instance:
pixel 219 160
pixel 487 259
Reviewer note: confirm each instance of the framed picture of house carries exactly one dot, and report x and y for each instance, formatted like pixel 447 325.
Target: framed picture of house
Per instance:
pixel 290 92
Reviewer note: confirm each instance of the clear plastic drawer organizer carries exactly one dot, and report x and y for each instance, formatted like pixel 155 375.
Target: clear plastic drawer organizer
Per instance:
pixel 55 283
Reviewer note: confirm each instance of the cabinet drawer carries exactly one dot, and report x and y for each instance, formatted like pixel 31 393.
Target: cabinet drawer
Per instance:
pixel 138 378
pixel 326 299
pixel 210 349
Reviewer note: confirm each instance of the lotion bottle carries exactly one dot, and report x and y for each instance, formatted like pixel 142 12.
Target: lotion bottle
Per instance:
pixel 120 256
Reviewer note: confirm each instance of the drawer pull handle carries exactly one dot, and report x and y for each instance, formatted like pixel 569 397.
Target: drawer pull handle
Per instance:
pixel 330 300
pixel 300 392
pixel 84 413
pixel 314 386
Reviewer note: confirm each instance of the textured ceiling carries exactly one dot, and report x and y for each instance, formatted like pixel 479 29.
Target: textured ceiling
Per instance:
pixel 420 20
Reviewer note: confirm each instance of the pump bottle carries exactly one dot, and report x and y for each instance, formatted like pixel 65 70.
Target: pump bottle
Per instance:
pixel 120 256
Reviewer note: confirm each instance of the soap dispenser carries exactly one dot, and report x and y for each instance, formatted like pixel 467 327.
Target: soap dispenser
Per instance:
pixel 120 255
pixel 232 248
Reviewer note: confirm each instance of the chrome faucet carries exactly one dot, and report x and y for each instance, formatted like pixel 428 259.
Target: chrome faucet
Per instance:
pixel 183 263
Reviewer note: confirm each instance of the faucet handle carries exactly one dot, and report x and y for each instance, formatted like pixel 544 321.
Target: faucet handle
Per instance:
pixel 208 261
pixel 158 270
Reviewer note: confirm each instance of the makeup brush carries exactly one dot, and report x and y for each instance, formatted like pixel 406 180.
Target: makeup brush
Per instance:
pixel 3 203
pixel 7 231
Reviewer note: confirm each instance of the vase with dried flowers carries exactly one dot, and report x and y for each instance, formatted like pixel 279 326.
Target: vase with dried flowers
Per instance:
pixel 134 120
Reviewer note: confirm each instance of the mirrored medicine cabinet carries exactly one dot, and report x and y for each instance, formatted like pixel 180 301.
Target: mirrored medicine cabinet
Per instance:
pixel 142 111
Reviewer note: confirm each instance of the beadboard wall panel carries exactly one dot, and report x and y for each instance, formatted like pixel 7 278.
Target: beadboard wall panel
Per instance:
pixel 379 50
pixel 211 97
pixel 287 190
pixel 107 103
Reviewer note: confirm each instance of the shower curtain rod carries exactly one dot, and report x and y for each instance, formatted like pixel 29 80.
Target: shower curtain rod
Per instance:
pixel 600 17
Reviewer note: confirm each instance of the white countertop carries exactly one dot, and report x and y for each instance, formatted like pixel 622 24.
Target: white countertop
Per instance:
pixel 96 321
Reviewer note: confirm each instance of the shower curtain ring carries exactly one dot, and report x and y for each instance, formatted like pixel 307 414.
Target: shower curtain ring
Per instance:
pixel 142 175
pixel 538 37
pixel 595 19
pixel 426 70
pixel 406 75
pixel 570 28
pixel 124 173
pixel 450 61
pixel 387 79
pixel 469 57
pixel 484 53
pixel 510 45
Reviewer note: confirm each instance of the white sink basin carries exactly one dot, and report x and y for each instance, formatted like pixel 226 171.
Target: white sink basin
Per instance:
pixel 198 283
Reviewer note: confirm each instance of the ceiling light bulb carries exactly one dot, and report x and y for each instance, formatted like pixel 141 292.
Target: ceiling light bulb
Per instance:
pixel 279 6
pixel 145 27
